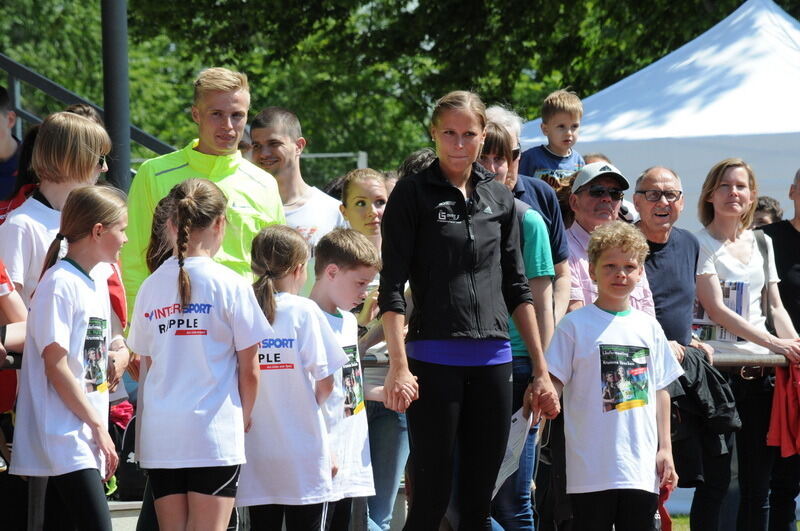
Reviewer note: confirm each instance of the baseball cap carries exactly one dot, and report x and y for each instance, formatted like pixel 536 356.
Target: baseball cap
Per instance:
pixel 594 170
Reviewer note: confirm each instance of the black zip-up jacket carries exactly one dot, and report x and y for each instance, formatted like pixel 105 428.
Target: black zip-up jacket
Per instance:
pixel 461 256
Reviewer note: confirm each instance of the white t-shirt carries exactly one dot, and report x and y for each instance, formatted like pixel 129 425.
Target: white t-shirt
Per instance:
pixel 611 367
pixel 347 416
pixel 191 413
pixel 287 447
pixel 71 309
pixel 314 219
pixel 24 239
pixel 714 258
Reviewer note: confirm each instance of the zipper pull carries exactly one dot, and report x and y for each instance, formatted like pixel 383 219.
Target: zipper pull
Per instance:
pixel 469 229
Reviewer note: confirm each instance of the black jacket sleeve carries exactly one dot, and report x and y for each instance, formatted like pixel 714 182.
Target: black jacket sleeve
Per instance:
pixel 515 284
pixel 398 232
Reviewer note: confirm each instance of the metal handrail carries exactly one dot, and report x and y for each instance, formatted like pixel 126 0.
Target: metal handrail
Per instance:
pixel 749 360
pixel 18 72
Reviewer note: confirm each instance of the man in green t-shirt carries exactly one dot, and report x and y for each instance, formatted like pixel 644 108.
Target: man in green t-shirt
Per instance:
pixel 221 102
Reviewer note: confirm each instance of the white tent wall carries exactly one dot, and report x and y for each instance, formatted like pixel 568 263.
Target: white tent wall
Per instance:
pixel 731 92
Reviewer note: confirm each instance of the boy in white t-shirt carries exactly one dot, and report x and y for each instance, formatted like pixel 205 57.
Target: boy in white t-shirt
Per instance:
pixel 346 264
pixel 613 363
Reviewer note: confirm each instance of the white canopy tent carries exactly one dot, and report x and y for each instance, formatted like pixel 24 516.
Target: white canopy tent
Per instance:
pixel 734 91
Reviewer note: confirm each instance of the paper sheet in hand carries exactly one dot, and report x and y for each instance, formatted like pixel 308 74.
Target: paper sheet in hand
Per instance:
pixel 516 441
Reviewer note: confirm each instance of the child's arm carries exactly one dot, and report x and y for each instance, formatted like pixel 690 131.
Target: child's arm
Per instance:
pixel 377 393
pixel 249 373
pixel 665 466
pixel 62 380
pixel 323 389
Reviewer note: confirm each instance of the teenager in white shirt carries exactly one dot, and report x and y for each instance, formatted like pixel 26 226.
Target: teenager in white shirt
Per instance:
pixel 62 411
pixel 288 470
pixel 197 325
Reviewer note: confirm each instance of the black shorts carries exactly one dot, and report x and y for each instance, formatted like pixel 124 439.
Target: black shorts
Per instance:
pixel 211 480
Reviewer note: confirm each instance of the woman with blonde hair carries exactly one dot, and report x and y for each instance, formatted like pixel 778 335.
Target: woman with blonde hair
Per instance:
pixel 731 252
pixel 451 231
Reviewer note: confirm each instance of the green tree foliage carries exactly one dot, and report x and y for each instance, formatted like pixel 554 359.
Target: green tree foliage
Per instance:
pixel 361 74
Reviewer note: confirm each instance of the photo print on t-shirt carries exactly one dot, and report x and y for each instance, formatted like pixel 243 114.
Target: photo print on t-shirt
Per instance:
pixel 95 355
pixel 623 373
pixel 352 383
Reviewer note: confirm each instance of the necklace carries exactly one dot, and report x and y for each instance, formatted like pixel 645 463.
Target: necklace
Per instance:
pixel 301 198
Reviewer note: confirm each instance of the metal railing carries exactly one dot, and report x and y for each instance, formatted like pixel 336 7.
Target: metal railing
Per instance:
pixel 18 73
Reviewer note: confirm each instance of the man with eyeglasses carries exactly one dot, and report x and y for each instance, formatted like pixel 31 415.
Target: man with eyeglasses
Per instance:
pixel 702 457
pixel 597 193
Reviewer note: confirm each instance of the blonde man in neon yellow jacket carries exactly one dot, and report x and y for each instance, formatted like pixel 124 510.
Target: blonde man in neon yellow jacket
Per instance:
pixel 221 102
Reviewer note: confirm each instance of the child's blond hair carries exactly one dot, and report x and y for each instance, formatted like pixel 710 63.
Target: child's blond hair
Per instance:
pixel 347 249
pixel 561 101
pixel 619 235
pixel 68 148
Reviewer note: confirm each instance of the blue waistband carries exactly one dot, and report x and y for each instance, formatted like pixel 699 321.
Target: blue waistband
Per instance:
pixel 461 352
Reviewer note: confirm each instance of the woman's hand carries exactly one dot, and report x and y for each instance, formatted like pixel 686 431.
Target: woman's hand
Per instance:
pixel 401 389
pixel 789 348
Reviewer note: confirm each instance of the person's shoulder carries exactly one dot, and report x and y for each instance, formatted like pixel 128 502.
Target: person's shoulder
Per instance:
pixel 684 237
pixel 255 173
pixel 162 164
pixel 318 197
pixel 706 240
pixel 32 215
pixel 779 228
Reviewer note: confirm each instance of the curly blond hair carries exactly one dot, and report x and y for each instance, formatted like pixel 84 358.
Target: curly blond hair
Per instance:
pixel 619 235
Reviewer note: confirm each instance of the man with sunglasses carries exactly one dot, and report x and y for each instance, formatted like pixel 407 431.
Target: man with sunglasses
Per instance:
pixel 597 193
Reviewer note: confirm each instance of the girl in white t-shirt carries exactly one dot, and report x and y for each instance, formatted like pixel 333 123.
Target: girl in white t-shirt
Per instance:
pixel 197 326
pixel 62 411
pixel 289 464
pixel 729 251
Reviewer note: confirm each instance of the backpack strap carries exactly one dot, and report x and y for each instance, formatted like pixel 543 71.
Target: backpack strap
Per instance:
pixel 761 241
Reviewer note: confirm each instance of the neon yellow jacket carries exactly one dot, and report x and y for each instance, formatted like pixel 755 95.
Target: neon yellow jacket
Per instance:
pixel 253 203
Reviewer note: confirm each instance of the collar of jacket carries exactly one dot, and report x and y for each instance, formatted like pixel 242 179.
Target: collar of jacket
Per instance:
pixel 478 176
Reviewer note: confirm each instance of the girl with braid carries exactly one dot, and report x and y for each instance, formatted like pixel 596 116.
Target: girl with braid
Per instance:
pixel 197 326
pixel 288 475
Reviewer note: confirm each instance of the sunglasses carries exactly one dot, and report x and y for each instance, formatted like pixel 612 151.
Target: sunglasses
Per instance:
pixel 598 191
pixel 655 195
pixel 515 153
pixel 101 162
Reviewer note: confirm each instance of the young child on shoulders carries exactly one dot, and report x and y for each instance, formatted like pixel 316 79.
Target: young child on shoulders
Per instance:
pixel 613 363
pixel 62 412
pixel 346 263
pixel 562 111
pixel 197 326
pixel 288 470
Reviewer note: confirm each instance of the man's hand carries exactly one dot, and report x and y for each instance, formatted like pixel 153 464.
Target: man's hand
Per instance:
pixel 665 467
pixel 543 398
pixel 400 387
pixel 678 350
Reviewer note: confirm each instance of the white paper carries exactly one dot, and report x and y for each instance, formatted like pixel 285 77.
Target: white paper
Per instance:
pixel 517 434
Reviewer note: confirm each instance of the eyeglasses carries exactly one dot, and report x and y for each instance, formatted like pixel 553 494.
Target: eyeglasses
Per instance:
pixel 655 195
pixel 598 191
pixel 515 153
pixel 102 161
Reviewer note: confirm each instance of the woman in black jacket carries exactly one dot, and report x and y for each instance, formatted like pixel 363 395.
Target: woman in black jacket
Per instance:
pixel 452 233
